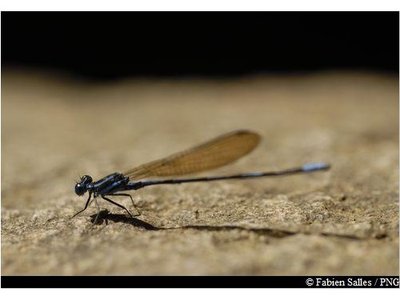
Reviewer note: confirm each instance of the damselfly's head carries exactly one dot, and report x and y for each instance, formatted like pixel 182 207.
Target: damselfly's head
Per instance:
pixel 81 187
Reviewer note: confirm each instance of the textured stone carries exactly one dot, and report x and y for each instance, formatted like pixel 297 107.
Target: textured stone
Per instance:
pixel 341 222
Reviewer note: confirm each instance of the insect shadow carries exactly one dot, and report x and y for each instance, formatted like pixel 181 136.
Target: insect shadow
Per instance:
pixel 105 216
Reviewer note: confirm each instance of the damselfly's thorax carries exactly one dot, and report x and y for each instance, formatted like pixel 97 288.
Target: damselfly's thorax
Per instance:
pixel 108 184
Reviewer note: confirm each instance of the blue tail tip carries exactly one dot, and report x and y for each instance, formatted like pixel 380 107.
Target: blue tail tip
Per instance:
pixel 310 167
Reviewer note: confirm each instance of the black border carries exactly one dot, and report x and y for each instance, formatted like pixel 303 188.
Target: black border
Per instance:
pixel 111 45
pixel 186 281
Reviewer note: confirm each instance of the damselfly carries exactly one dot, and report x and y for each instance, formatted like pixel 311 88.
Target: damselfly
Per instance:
pixel 216 153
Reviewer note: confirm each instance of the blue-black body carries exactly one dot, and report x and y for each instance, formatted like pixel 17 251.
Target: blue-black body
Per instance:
pixel 108 185
pixel 115 183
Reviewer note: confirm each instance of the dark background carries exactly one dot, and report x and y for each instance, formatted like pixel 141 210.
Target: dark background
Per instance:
pixel 107 45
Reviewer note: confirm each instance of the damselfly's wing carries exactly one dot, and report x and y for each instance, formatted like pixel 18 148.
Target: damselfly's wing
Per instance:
pixel 213 154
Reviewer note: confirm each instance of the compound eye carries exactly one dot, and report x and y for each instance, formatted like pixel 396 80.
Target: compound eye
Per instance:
pixel 80 189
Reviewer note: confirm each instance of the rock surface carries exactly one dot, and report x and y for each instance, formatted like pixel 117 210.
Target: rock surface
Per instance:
pixel 340 222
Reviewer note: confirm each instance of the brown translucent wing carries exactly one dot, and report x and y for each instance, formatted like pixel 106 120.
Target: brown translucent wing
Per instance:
pixel 213 154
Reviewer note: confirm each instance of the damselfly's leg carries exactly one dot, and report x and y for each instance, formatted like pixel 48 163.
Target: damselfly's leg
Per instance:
pixel 133 203
pixel 117 204
pixel 86 206
pixel 98 211
pixel 126 195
